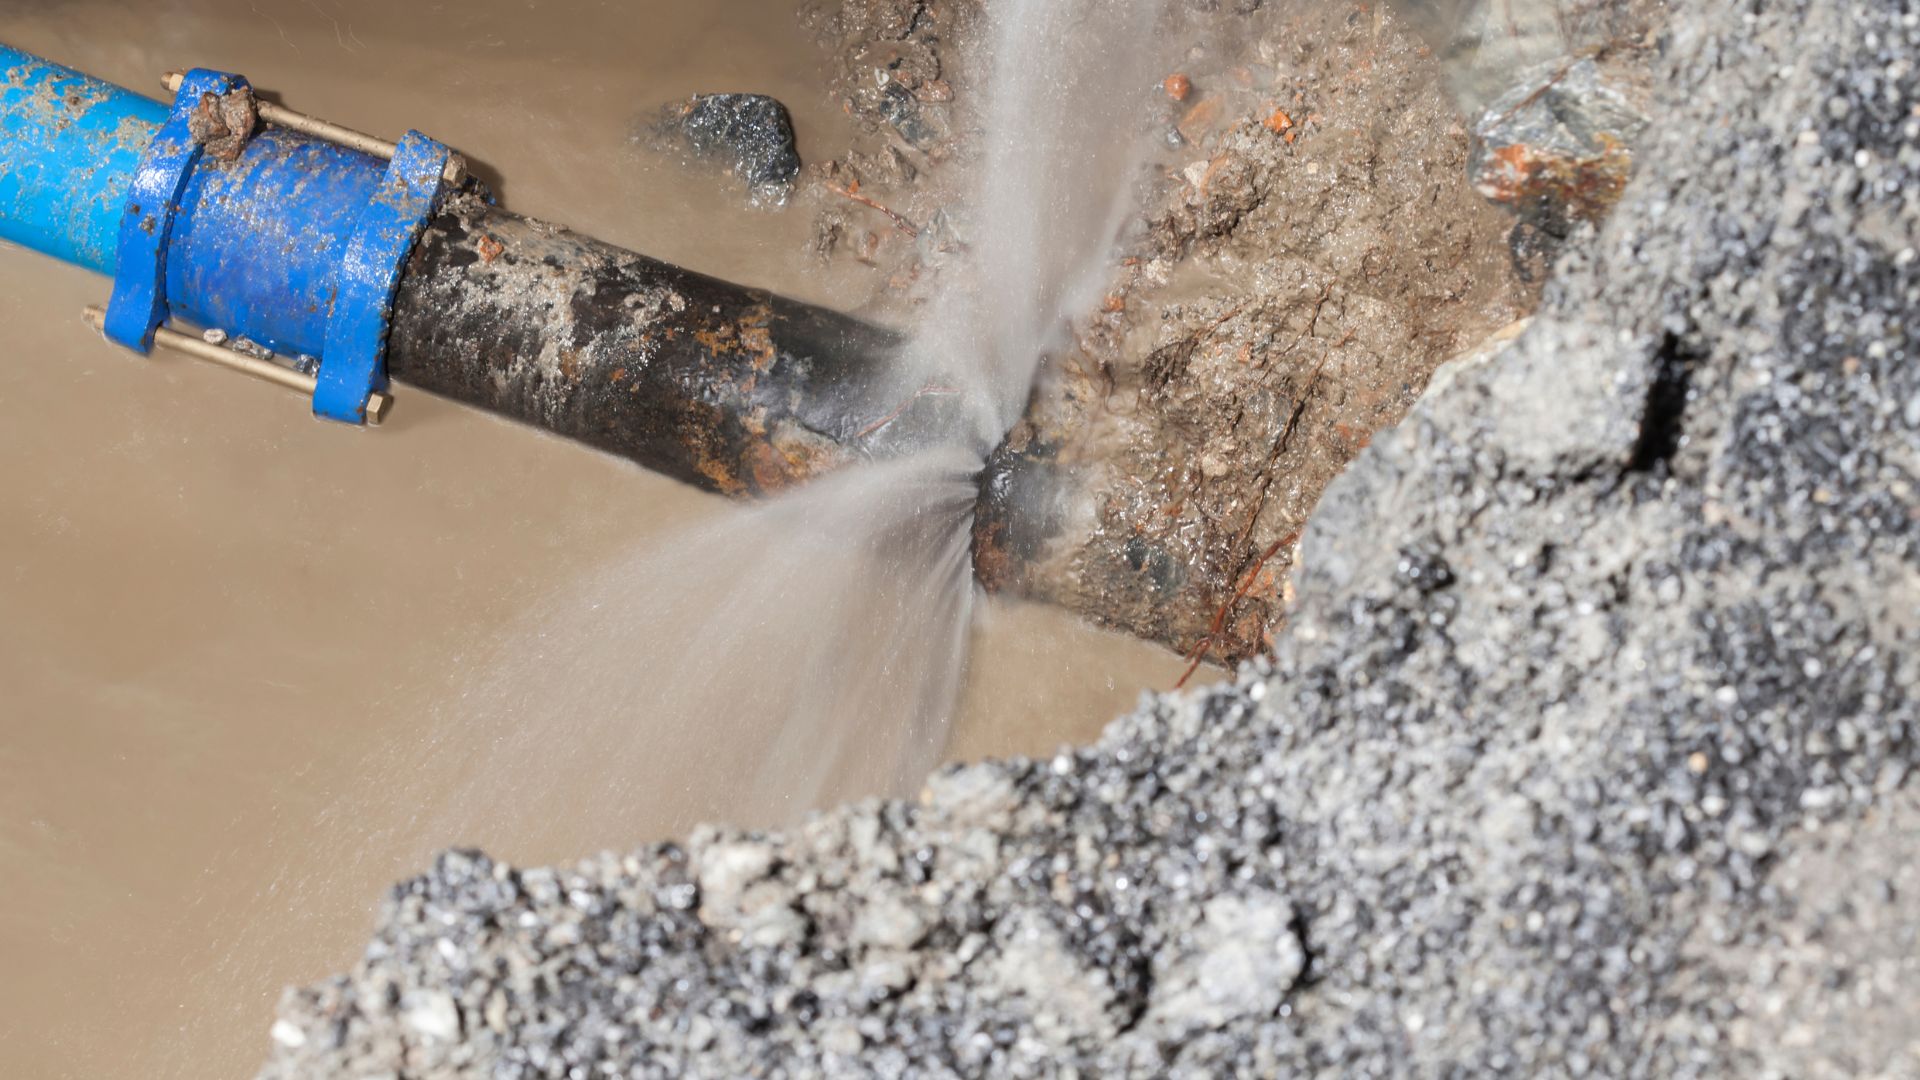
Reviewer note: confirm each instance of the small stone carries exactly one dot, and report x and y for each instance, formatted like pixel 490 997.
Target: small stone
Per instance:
pixel 753 133
pixel 432 1013
pixel 288 1034
pixel 1556 146
pixel 726 870
pixel 842 1038
pixel 889 922
pixel 1200 119
pixel 972 794
pixel 1247 958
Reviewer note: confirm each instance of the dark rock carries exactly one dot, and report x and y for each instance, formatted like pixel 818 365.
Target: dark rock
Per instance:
pixel 903 111
pixel 752 133
pixel 1557 147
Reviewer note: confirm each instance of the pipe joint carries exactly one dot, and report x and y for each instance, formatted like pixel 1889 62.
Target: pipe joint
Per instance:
pixel 232 213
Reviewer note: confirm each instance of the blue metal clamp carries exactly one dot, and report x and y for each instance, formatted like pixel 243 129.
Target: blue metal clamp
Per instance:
pixel 353 363
pixel 264 243
pixel 139 303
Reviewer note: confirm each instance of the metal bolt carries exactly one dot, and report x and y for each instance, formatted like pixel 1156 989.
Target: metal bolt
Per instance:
pixel 455 172
pixel 378 406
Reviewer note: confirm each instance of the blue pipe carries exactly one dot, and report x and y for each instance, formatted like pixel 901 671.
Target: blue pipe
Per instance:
pixel 68 147
pixel 297 243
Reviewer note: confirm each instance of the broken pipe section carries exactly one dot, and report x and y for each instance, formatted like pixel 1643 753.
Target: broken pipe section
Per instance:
pixel 729 388
pixel 1056 524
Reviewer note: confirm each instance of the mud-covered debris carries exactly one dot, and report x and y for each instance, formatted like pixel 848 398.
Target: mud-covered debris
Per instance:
pixel 752 133
pixel 1557 147
pixel 903 111
pixel 223 123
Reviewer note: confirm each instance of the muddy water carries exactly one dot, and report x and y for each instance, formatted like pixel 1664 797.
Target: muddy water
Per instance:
pixel 218 617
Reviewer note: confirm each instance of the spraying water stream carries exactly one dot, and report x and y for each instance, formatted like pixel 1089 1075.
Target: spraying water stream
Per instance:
pixel 816 645
pixel 191 838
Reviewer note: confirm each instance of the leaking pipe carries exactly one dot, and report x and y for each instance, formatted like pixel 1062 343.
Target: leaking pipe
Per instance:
pixel 354 259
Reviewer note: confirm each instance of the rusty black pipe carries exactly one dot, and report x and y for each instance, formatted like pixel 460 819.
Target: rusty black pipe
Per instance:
pixel 733 389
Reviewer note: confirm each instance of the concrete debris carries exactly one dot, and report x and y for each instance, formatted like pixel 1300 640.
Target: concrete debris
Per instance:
pixel 1587 751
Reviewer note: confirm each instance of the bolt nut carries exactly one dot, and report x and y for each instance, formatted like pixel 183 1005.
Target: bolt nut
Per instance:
pixel 378 406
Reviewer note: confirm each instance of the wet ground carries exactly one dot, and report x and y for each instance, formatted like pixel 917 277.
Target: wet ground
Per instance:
pixel 215 612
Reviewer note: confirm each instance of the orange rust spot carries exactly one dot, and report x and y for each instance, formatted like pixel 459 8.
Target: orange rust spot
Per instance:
pixel 714 341
pixel 778 463
pixel 720 475
pixel 756 339
pixel 1279 122
pixel 490 249
pixel 1113 303
pixel 1177 86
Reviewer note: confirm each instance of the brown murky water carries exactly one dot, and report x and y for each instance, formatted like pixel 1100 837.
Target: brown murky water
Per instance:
pixel 215 611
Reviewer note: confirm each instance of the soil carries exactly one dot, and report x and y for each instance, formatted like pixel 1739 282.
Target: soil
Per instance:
pixel 1311 251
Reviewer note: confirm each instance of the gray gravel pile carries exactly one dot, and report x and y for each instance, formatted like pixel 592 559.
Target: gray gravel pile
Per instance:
pixel 1587 751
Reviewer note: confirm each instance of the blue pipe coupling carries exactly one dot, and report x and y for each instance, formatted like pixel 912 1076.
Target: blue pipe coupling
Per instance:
pixel 224 217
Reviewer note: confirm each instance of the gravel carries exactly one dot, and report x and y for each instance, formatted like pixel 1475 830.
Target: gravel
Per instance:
pixel 1587 751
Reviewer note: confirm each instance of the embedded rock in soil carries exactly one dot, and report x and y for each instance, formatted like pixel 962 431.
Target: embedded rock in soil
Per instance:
pixel 1588 751
pixel 752 133
pixel 1557 148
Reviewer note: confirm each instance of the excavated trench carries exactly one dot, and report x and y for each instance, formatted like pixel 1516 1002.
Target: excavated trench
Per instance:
pixel 1584 750
pixel 1342 199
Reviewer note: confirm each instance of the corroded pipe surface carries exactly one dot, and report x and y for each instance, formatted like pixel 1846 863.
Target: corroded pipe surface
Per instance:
pixel 732 389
